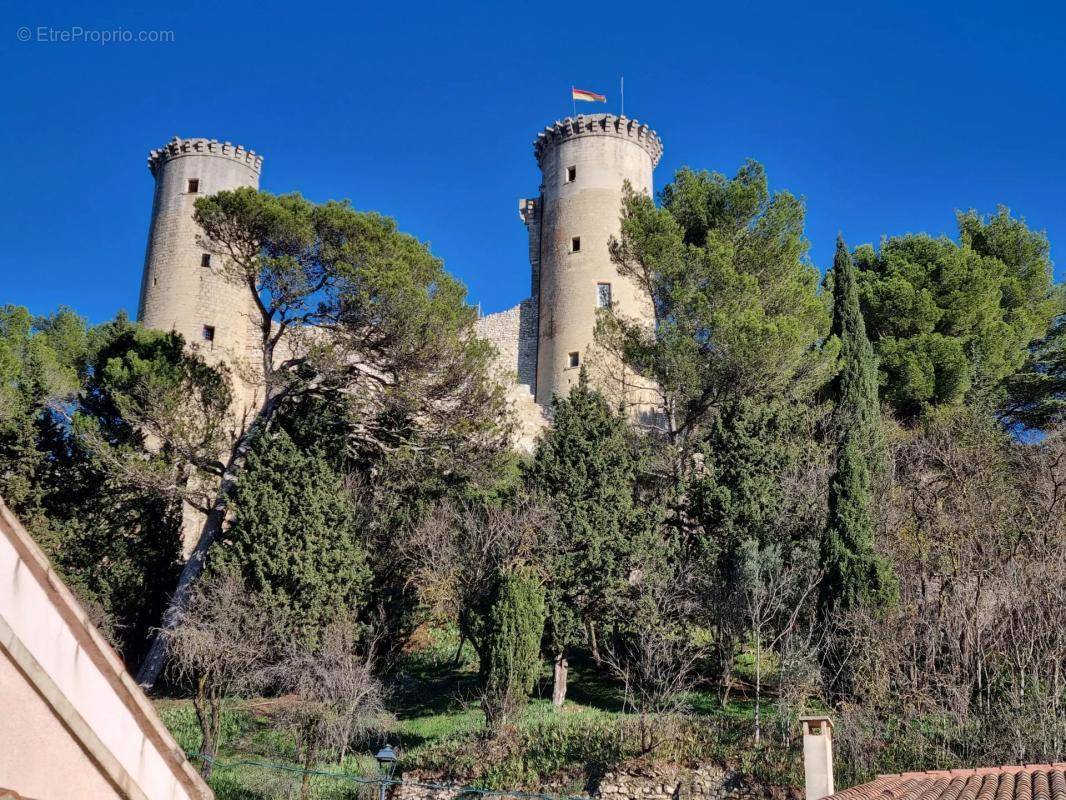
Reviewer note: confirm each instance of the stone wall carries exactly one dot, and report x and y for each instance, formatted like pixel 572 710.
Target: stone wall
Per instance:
pixel 642 782
pixel 669 782
pixel 514 335
pixel 585 163
pixel 219 318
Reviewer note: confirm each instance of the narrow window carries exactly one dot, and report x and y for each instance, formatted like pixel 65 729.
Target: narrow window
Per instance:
pixel 205 260
pixel 571 174
pixel 603 295
pixel 575 244
pixel 575 359
pixel 209 333
pixel 194 185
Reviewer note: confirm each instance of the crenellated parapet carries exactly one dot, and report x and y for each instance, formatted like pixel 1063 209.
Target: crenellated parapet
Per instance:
pixel 178 147
pixel 598 125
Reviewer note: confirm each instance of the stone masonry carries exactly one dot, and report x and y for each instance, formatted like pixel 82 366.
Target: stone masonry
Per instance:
pixel 183 288
pixel 585 163
pixel 541 343
pixel 514 335
pixel 635 782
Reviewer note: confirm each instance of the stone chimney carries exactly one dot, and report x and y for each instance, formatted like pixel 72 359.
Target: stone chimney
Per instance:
pixel 817 756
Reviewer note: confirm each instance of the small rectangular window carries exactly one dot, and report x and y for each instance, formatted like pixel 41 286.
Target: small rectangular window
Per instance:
pixel 571 174
pixel 194 185
pixel 574 359
pixel 205 260
pixel 575 244
pixel 603 295
pixel 209 333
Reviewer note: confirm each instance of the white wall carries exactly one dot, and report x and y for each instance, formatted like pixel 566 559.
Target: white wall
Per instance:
pixel 72 721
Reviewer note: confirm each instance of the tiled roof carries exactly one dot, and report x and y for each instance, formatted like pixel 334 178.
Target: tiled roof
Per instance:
pixel 1031 782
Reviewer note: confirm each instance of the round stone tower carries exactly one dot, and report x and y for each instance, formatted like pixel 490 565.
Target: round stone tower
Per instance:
pixel 584 164
pixel 182 288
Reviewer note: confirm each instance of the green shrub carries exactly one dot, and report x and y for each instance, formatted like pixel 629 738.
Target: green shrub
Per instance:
pixel 515 625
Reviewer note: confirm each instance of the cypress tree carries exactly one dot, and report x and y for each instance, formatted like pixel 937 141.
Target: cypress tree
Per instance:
pixel 516 622
pixel 586 468
pixel 295 537
pixel 854 574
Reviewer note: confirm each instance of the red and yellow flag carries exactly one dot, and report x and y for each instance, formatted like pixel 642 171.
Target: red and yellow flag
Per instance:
pixel 588 97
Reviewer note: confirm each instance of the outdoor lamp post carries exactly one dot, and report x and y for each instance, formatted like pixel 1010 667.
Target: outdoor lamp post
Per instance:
pixel 386 764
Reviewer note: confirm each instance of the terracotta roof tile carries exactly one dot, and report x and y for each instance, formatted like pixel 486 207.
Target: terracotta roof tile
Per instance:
pixel 1029 782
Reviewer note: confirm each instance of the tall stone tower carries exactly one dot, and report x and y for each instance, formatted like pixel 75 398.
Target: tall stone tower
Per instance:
pixel 584 163
pixel 182 288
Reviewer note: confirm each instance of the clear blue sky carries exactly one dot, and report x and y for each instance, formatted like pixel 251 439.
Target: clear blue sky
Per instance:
pixel 885 117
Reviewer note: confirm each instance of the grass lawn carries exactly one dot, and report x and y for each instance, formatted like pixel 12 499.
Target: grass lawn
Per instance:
pixel 436 734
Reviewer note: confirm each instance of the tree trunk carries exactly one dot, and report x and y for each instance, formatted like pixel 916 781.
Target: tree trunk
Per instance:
pixel 758 688
pixel 153 663
pixel 305 784
pixel 148 674
pixel 458 660
pixel 559 684
pixel 594 646
pixel 207 740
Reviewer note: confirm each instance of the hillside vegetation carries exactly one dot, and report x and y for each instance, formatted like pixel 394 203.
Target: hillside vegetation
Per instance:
pixel 849 499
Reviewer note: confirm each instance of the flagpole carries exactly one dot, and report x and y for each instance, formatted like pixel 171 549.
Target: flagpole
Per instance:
pixel 622 81
pixel 573 101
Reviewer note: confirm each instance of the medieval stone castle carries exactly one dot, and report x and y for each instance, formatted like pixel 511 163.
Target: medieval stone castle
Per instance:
pixel 542 342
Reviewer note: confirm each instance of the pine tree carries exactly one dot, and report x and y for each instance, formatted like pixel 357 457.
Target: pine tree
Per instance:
pixel 854 574
pixel 586 468
pixel 1036 396
pixel 951 321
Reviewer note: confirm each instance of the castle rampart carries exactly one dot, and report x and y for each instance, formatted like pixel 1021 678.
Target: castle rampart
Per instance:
pixel 514 335
pixel 598 125
pixel 177 147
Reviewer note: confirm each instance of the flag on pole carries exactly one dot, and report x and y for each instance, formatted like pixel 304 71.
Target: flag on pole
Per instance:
pixel 588 97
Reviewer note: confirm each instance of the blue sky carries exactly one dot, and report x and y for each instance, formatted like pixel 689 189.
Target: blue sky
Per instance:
pixel 885 117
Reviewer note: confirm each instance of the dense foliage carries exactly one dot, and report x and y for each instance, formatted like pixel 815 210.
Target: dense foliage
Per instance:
pixel 513 627
pixel 296 537
pixel 733 294
pixel 586 469
pixel 847 498
pixel 951 320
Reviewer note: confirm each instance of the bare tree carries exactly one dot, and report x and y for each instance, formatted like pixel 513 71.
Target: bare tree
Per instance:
pixel 337 697
pixel 974 521
pixel 775 595
pixel 456 554
pixel 655 658
pixel 221 646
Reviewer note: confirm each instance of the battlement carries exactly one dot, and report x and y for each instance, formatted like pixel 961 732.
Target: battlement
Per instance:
pixel 177 147
pixel 599 125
